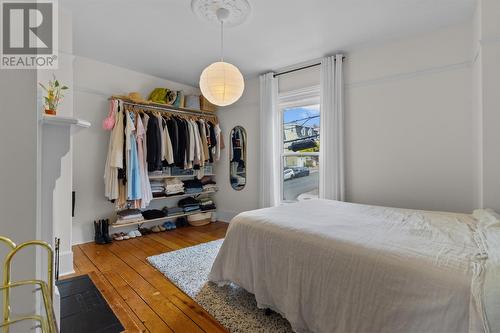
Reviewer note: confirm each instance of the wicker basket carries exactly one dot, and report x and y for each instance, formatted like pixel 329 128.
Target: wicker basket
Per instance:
pixel 205 105
pixel 197 220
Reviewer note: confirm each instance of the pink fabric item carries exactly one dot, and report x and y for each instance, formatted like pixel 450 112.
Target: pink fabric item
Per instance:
pixel 109 122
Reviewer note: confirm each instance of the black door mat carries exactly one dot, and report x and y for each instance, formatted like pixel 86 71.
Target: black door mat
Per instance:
pixel 83 309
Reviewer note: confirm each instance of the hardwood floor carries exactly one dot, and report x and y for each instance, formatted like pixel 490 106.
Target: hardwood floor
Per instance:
pixel 142 298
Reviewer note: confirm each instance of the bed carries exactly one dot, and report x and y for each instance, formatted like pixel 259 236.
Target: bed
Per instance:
pixel 330 266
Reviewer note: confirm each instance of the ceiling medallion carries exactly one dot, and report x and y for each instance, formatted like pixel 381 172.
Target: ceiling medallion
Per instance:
pixel 222 83
pixel 238 11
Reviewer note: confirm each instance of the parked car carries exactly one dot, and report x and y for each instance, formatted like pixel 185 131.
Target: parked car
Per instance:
pixel 300 172
pixel 288 174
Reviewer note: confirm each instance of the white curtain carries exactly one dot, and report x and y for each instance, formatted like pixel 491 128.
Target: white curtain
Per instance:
pixel 332 184
pixel 270 176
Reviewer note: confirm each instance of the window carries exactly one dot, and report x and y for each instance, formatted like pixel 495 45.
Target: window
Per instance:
pixel 300 128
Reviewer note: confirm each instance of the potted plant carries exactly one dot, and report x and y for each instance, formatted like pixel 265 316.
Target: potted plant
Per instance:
pixel 54 96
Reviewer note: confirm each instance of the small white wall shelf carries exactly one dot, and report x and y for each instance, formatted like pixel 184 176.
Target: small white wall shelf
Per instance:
pixel 75 123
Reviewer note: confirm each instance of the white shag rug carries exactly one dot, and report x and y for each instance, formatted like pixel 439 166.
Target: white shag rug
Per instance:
pixel 232 306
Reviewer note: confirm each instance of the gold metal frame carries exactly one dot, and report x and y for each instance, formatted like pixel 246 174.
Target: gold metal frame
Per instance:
pixel 47 324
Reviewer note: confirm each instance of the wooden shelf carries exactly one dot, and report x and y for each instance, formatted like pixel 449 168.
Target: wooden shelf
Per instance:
pixel 185 195
pixel 164 107
pixel 161 219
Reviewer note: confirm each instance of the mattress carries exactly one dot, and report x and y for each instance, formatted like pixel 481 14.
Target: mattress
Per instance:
pixel 330 266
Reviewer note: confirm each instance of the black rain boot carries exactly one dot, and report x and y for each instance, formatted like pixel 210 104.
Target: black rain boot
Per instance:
pixel 105 231
pixel 98 233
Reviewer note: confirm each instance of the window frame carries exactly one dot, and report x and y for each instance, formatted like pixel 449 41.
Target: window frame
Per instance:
pixel 293 99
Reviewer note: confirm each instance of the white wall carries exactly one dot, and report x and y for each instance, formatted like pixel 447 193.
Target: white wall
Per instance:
pixel 243 113
pixel 18 174
pixel 94 83
pixel 486 43
pixel 411 139
pixel 410 134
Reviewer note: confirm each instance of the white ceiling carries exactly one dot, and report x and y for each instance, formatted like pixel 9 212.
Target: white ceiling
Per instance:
pixel 164 38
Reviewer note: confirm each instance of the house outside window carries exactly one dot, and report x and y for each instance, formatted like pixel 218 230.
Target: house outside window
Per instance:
pixel 300 130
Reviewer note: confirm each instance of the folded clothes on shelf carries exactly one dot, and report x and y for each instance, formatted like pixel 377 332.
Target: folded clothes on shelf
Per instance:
pixel 172 211
pixel 188 202
pixel 129 214
pixel 193 190
pixel 207 204
pixel 207 180
pixel 174 186
pixel 210 188
pixel 208 207
pixel 191 209
pixel 193 186
pixel 206 201
pixel 157 183
pixel 152 214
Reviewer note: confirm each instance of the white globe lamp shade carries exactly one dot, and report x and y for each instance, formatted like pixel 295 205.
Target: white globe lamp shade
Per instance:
pixel 222 83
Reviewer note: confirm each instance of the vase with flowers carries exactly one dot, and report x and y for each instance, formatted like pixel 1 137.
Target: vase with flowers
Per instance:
pixel 55 94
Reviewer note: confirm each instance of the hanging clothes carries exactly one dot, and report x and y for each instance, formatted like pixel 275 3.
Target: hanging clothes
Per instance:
pixel 142 143
pixel 219 139
pixel 114 160
pixel 167 145
pixel 145 184
pixel 203 137
pixel 134 176
pixel 190 152
pixel 153 137
pixel 174 138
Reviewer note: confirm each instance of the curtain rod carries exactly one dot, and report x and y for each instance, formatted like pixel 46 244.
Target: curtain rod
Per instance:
pixel 300 68
pixel 168 108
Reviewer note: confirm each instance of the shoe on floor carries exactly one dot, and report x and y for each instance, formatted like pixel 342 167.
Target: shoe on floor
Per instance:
pixel 155 229
pixel 131 234
pixel 137 233
pixel 170 225
pixel 117 237
pixel 124 235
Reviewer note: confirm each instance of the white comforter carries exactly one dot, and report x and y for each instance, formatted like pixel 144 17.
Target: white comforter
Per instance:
pixel 330 266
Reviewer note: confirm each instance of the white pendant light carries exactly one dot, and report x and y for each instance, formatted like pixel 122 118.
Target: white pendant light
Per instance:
pixel 221 83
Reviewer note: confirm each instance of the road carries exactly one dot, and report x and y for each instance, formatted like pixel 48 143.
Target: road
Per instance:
pixel 294 187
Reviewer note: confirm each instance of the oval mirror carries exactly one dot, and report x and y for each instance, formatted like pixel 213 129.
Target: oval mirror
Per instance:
pixel 238 158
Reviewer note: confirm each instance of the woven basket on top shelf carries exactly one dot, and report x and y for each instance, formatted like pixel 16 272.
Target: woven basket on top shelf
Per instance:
pixel 197 220
pixel 205 105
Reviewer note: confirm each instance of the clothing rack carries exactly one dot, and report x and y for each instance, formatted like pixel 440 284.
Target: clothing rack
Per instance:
pixel 166 108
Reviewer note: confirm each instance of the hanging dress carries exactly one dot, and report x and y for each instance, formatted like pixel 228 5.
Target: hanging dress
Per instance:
pixel 147 195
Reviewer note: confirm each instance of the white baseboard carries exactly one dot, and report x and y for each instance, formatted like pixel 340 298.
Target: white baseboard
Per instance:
pixel 66 263
pixel 56 301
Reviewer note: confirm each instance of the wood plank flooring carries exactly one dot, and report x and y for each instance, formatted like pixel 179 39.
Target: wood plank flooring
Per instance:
pixel 142 298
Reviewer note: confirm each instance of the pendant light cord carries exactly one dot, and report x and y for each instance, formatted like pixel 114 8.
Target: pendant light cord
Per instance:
pixel 221 40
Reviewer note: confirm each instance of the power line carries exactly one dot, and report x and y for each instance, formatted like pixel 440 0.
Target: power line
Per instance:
pixel 298 120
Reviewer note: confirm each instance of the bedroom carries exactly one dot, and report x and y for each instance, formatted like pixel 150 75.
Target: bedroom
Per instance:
pixel 362 134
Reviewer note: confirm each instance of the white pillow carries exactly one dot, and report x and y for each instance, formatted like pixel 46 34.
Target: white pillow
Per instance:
pixel 486 218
